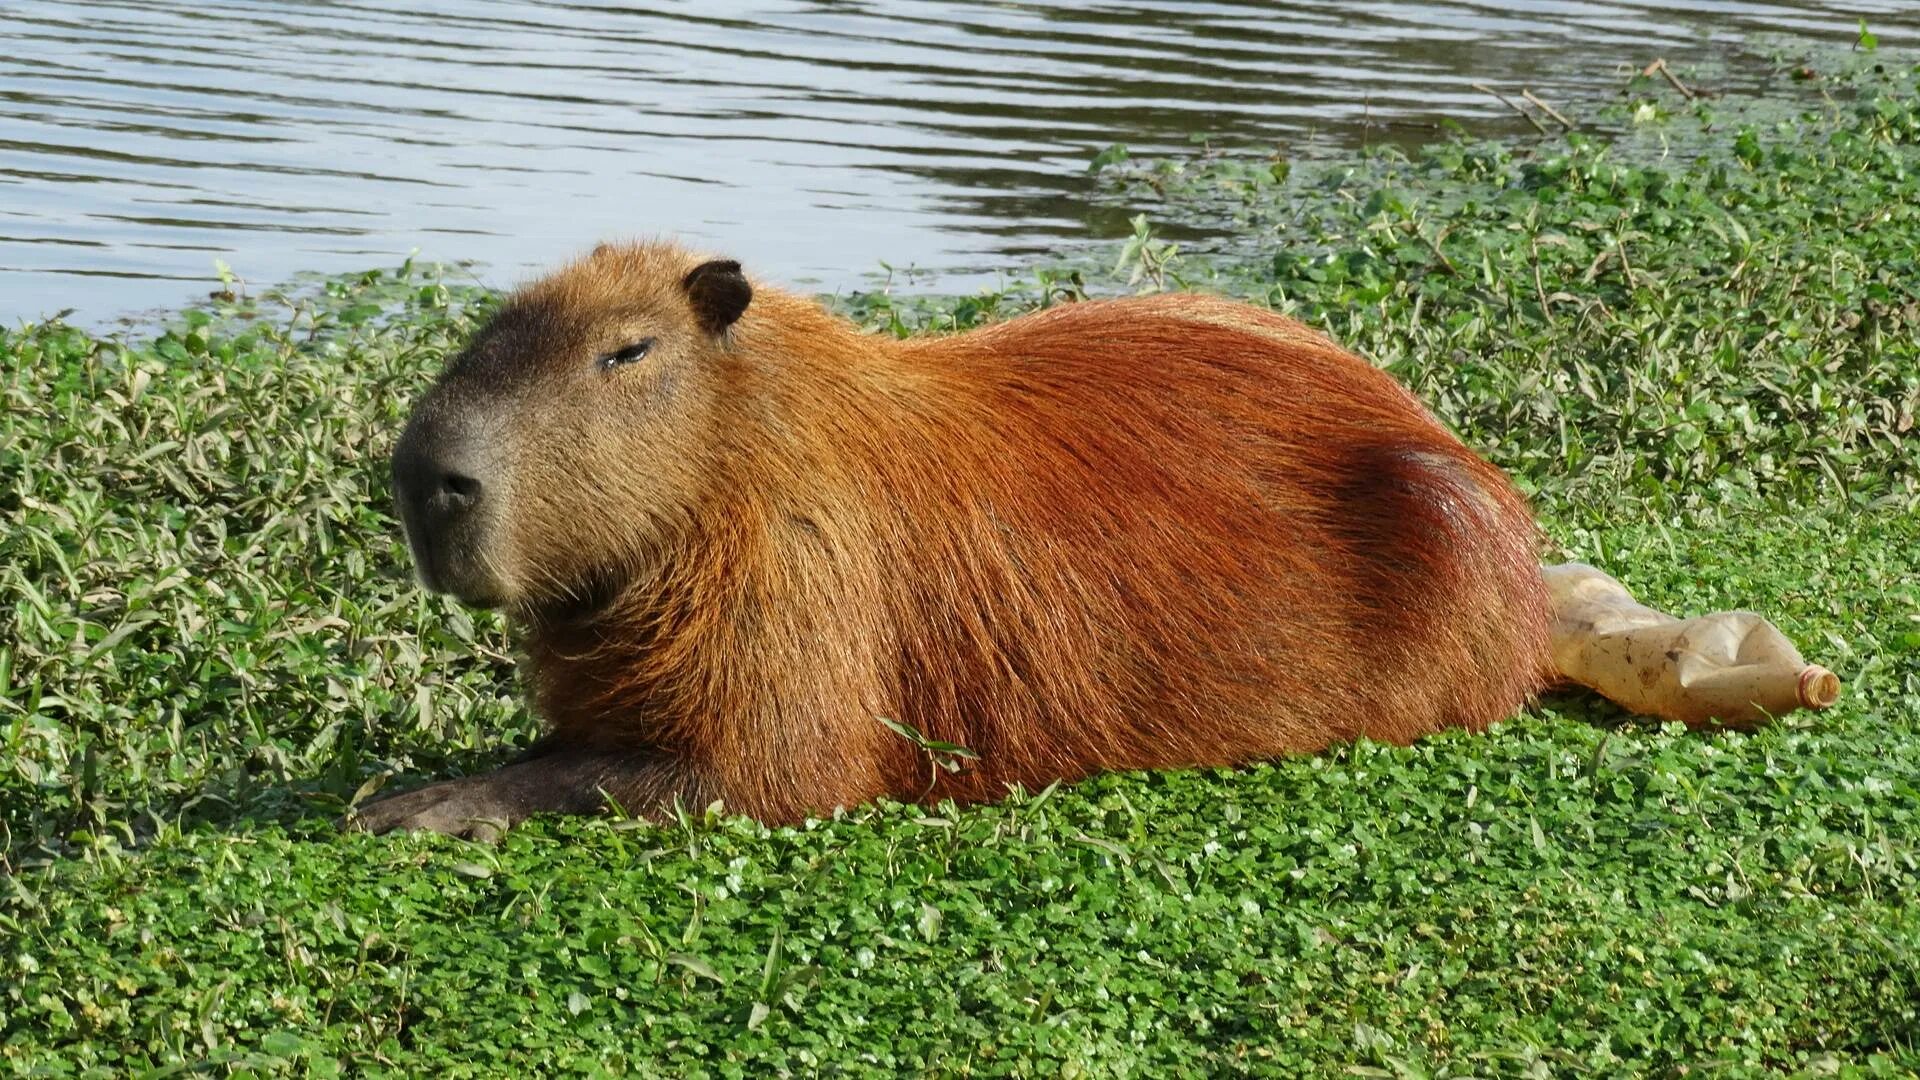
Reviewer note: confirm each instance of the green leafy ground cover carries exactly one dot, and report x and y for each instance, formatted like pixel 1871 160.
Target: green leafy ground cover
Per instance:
pixel 1703 365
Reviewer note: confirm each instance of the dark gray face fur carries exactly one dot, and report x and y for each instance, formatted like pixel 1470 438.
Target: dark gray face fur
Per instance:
pixel 450 488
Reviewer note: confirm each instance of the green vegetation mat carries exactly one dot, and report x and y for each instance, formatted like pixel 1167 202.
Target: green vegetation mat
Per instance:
pixel 1694 341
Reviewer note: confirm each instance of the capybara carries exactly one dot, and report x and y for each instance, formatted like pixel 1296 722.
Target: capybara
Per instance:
pixel 735 534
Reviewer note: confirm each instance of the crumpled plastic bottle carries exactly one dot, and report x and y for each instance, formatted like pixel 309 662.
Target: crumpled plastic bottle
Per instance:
pixel 1729 669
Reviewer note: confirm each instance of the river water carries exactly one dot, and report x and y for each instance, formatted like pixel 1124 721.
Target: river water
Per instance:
pixel 141 140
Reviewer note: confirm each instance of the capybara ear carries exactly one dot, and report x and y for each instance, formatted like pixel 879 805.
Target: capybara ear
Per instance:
pixel 719 292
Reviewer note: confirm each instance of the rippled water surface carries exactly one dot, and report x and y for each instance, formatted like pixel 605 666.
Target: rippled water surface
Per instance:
pixel 141 140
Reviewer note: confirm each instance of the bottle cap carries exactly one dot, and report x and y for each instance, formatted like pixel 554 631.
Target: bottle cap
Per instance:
pixel 1819 687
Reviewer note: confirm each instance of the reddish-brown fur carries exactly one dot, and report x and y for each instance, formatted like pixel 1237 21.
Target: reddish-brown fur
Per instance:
pixel 1154 532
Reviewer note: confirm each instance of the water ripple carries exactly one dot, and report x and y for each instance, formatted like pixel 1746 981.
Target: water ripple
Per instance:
pixel 142 139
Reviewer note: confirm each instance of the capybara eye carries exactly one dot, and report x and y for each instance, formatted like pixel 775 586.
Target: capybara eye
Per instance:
pixel 636 351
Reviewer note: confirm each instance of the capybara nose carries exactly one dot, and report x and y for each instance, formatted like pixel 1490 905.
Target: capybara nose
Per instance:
pixel 446 485
pixel 458 491
pixel 437 478
pixel 444 488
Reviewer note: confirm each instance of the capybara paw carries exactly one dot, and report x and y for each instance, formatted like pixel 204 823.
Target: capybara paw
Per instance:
pixel 470 808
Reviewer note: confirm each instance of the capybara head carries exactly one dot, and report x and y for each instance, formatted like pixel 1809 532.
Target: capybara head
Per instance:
pixel 556 451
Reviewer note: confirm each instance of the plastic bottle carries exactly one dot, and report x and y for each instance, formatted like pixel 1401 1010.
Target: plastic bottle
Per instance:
pixel 1732 669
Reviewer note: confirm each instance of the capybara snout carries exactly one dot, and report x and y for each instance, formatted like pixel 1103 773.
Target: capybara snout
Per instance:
pixel 447 486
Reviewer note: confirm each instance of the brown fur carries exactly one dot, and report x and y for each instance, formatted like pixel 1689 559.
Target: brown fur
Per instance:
pixel 1144 533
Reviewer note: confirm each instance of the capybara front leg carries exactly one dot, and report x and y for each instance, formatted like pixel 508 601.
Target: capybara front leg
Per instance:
pixel 550 781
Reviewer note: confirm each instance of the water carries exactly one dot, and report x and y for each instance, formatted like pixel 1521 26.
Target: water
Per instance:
pixel 141 140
